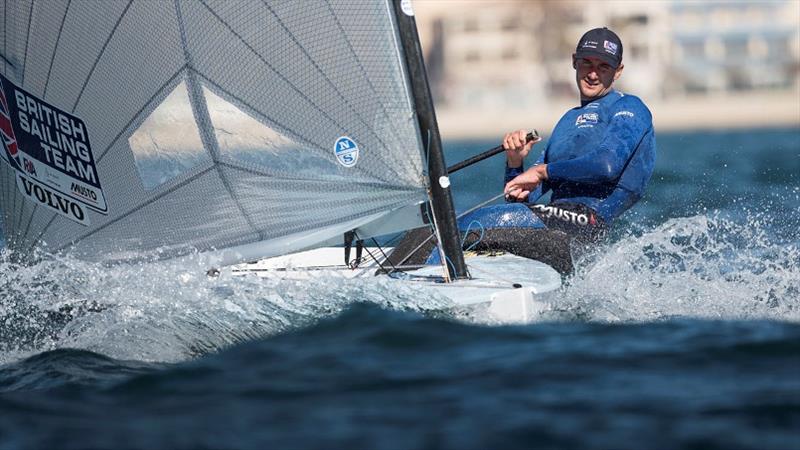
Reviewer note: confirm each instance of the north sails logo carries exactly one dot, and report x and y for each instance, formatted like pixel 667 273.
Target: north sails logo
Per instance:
pixel 565 215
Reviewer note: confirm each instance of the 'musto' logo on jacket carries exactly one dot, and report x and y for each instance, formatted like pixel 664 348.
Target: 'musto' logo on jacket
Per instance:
pixel 566 215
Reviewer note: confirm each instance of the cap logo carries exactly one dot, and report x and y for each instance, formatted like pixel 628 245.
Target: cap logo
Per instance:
pixel 589 44
pixel 610 47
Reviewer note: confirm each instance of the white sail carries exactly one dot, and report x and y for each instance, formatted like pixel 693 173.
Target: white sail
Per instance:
pixel 141 126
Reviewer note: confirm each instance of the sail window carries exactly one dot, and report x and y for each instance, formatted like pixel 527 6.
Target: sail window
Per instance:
pixel 168 143
pixel 241 137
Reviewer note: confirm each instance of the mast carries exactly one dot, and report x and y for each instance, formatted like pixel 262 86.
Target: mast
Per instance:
pixel 444 214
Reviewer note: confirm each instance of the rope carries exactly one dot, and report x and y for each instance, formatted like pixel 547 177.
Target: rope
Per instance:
pixel 480 238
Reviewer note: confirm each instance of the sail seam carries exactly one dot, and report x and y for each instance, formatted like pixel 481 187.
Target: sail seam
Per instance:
pixel 398 187
pixel 137 208
pixel 18 207
pixel 331 83
pixel 30 220
pixel 27 40
pixel 55 49
pixel 358 62
pixel 136 116
pixel 200 111
pixel 5 35
pixel 100 55
pixel 282 77
pixel 270 121
pixel 31 208
pixel 6 61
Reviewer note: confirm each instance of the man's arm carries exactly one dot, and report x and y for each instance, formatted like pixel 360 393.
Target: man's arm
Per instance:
pixel 630 123
pixel 516 150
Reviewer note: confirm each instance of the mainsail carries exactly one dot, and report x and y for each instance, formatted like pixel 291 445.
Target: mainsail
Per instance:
pixel 168 126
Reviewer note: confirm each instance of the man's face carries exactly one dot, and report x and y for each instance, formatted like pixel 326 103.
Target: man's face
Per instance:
pixel 594 76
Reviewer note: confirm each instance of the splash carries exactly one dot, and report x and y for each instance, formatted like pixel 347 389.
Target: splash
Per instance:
pixel 168 311
pixel 706 267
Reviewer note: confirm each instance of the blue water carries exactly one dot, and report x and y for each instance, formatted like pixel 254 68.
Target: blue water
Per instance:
pixel 682 331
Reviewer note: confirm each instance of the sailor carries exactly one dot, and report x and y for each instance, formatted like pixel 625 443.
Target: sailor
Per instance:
pixel 600 155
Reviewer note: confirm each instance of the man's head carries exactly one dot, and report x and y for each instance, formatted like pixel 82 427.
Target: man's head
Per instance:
pixel 598 62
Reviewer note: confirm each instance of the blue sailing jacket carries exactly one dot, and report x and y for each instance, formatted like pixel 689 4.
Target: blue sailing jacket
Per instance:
pixel 600 154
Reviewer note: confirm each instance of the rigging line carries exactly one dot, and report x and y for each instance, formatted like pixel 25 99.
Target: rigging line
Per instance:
pixel 373 256
pixel 278 73
pixel 494 276
pixel 427 209
pixel 466 234
pixel 200 111
pixel 418 247
pixel 138 207
pixel 375 259
pixel 55 49
pixel 385 258
pixel 100 55
pixel 398 268
pixel 136 116
pixel 325 76
pixel 27 40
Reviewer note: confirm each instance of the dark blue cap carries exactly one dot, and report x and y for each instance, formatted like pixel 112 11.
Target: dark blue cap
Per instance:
pixel 601 43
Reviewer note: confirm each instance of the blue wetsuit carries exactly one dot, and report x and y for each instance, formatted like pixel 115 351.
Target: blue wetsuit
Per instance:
pixel 600 155
pixel 599 160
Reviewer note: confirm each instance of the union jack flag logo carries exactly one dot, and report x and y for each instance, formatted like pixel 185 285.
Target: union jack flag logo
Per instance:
pixel 6 130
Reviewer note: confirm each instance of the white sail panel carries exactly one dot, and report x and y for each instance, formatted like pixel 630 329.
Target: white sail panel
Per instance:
pixel 264 90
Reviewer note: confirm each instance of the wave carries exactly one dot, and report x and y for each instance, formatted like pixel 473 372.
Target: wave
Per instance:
pixel 168 311
pixel 705 267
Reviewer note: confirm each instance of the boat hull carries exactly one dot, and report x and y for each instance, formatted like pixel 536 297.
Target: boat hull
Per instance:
pixel 503 288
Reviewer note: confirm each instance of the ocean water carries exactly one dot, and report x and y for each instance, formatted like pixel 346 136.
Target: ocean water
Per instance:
pixel 681 331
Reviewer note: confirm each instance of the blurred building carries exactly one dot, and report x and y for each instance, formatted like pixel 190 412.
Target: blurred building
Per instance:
pixel 729 46
pixel 472 45
pixel 495 53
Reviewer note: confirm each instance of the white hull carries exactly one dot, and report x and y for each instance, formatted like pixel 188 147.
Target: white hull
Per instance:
pixel 507 288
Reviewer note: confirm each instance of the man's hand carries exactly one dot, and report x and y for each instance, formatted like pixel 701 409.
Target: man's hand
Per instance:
pixel 516 147
pixel 520 187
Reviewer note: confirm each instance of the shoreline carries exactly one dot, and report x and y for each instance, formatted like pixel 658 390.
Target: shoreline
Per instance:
pixel 776 110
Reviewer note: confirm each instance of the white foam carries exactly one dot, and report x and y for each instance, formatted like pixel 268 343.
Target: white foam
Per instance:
pixel 169 311
pixel 704 267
